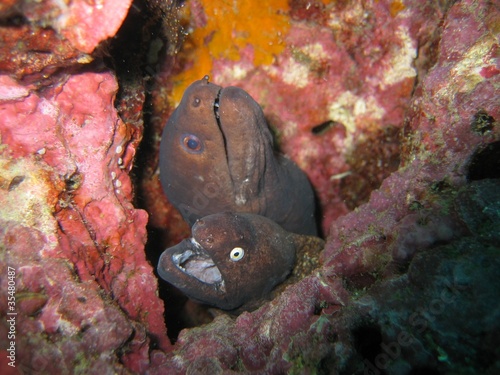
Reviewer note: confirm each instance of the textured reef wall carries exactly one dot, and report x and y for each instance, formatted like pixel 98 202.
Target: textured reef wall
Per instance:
pixel 390 107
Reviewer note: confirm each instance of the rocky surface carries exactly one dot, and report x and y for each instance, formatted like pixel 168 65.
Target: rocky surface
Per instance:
pixel 390 107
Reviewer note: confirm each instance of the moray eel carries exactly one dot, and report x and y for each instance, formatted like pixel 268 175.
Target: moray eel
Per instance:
pixel 234 260
pixel 216 154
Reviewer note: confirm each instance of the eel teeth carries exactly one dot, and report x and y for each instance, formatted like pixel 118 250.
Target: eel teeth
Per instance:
pixel 198 264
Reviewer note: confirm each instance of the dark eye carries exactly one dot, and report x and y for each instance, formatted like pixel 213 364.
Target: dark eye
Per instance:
pixel 196 101
pixel 191 143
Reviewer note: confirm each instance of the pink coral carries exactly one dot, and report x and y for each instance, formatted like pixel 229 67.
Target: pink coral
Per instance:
pixel 79 234
pixel 55 34
pixel 86 297
pixel 80 18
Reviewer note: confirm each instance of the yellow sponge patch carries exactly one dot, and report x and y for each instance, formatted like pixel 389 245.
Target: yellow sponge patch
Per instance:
pixel 231 25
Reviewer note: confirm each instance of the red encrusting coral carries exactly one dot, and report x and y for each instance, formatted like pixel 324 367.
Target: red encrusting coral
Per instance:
pixel 74 154
pixel 69 229
pixel 348 78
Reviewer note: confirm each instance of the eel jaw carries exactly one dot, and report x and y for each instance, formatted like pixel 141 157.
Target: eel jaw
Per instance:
pixel 196 262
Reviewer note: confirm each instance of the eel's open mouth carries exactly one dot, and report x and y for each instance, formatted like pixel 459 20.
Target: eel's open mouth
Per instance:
pixel 195 262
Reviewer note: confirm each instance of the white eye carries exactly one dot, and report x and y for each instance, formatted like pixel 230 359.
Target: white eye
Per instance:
pixel 236 254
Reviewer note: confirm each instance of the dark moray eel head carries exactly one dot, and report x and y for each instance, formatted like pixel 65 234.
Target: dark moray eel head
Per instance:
pixel 231 260
pixel 191 146
pixel 213 152
pixel 217 154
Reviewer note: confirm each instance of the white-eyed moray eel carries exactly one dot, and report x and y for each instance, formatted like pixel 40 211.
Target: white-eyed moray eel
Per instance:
pixel 234 260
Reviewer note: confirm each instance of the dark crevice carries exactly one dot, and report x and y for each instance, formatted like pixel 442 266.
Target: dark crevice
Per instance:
pixel 367 341
pixel 485 163
pixel 322 128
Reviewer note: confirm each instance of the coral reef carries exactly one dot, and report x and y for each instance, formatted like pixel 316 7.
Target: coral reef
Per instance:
pixel 54 34
pixel 390 107
pixel 85 295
